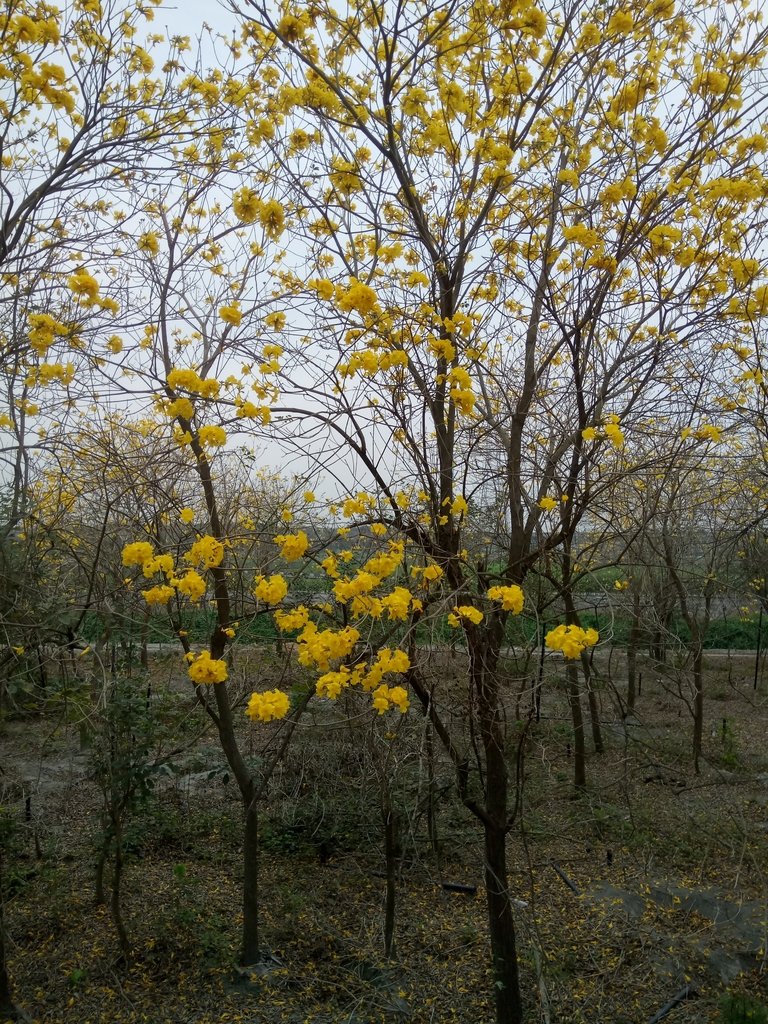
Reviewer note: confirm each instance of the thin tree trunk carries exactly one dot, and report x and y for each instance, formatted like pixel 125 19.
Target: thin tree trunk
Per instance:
pixel 577 717
pixel 115 901
pixel 501 925
pixel 391 851
pixel 634 637
pixel 594 710
pixel 698 705
pixel 101 863
pixel 434 841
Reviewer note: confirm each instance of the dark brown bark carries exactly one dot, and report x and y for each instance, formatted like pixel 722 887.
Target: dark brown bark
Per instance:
pixel 632 643
pixel 577 718
pixel 391 855
pixel 116 895
pixel 501 925
pixel 594 710
pixel 698 705
pixel 572 683
pixel 496 821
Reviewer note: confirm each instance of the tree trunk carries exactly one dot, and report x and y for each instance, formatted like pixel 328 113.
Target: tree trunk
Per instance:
pixel 250 951
pixel 434 840
pixel 574 703
pixel 594 710
pixel 116 895
pixel 698 705
pixel 634 637
pixel 101 864
pixel 391 852
pixel 501 925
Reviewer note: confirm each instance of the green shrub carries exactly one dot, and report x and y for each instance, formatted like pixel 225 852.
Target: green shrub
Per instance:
pixel 742 1010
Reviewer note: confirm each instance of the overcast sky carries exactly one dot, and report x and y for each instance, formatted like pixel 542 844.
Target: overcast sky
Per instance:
pixel 185 17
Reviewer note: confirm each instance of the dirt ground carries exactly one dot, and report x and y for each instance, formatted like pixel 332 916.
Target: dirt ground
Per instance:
pixel 651 883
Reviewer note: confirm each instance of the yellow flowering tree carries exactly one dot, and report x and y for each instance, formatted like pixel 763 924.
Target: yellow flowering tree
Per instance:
pixel 518 225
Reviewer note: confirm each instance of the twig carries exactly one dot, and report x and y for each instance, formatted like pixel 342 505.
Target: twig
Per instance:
pixel 679 997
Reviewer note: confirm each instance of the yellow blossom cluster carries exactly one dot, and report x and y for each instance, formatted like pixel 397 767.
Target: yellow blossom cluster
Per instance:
pixel 268 706
pixel 319 648
pixel 231 314
pixel 47 373
pixel 270 589
pixel 205 669
pixel 84 285
pixel 571 640
pixel 157 563
pixel 466 613
pixel 206 551
pixel 293 545
pixel 462 395
pixel 190 380
pixel 137 553
pixel 370 362
pixel 159 595
pixel 610 430
pixel 288 621
pixel 248 207
pixel 43 329
pixel 511 598
pixel 429 574
pixel 388 661
pixel 191 584
pixel 212 436
pixel 384 698
pixel 356 297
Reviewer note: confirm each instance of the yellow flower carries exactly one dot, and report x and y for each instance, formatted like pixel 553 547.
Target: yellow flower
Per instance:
pixel 266 706
pixel 709 432
pixel 148 242
pixel 397 603
pixel 187 379
pixel 358 297
pixel 571 640
pixel 212 436
pixel 158 595
pixel 205 669
pixel 187 515
pixel 272 218
pixel 465 611
pixel 191 584
pixel 288 621
pixel 81 283
pixel 138 553
pixel 206 551
pixel 512 598
pixel 615 434
pixel 270 590
pixel 294 545
pixel 245 205
pixel 547 504
pixel 231 314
